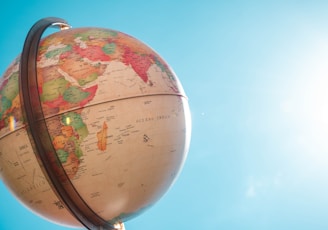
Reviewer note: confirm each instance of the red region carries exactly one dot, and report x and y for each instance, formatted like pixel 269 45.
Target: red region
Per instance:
pixel 93 53
pixel 58 102
pixel 139 63
pixel 92 90
pixel 2 124
pixel 65 55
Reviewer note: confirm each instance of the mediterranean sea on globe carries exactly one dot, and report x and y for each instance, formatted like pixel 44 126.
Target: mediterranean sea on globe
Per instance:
pixel 118 119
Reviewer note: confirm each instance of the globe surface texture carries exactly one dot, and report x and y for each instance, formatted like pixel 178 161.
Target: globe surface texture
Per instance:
pixel 118 120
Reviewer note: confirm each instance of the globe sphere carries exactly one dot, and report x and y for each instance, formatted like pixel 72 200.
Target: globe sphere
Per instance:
pixel 118 119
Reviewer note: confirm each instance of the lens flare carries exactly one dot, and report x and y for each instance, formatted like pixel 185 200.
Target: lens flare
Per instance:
pixel 12 123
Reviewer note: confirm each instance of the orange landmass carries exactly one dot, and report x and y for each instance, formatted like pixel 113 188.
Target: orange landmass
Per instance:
pixel 16 102
pixel 102 137
pixel 59 142
pixel 67 130
pixel 46 74
pixel 96 42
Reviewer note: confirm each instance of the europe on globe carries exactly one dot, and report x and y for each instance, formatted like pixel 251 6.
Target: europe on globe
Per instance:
pixel 117 120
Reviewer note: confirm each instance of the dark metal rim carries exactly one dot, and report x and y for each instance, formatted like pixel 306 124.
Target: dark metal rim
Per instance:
pixel 38 131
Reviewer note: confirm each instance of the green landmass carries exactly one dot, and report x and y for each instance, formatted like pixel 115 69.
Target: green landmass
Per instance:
pixel 58 51
pixel 11 89
pixel 74 94
pixel 8 93
pixel 52 89
pixel 5 105
pixel 75 120
pixel 109 48
pixel 80 129
pixel 62 155
pixel 88 79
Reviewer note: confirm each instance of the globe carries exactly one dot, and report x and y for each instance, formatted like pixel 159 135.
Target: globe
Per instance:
pixel 118 120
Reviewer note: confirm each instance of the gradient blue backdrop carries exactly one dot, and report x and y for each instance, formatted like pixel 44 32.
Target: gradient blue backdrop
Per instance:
pixel 256 73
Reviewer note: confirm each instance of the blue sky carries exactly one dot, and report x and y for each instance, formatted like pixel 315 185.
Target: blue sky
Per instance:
pixel 256 75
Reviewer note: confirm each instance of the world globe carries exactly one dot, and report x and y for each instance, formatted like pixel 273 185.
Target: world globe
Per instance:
pixel 117 119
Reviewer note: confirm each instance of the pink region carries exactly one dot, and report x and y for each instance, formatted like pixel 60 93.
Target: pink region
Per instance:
pixel 58 102
pixel 93 53
pixel 139 63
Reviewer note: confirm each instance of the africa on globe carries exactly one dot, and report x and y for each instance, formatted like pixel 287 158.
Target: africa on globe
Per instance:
pixel 117 119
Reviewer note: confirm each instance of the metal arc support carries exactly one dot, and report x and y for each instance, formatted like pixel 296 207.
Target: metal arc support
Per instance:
pixel 39 134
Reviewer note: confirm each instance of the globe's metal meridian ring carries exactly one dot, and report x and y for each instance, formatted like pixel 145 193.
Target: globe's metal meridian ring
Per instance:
pixel 38 130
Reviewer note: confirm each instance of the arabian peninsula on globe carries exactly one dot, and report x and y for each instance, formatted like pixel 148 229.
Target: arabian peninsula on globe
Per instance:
pixel 118 119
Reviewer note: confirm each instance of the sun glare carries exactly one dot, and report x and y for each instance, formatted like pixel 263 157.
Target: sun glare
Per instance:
pixel 12 123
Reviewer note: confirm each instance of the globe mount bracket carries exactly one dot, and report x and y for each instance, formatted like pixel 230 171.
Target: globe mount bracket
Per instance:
pixel 39 135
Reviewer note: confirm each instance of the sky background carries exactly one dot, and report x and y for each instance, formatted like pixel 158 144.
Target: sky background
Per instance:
pixel 256 74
